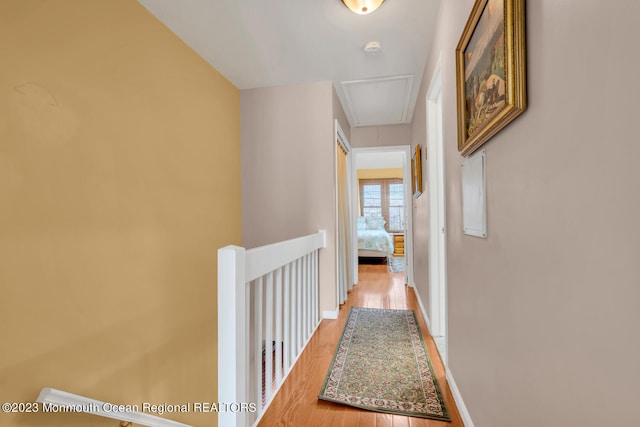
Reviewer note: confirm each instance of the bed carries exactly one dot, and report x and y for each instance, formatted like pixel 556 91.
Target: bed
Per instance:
pixel 373 240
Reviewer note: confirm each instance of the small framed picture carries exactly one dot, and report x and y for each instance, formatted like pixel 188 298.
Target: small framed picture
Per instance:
pixel 416 172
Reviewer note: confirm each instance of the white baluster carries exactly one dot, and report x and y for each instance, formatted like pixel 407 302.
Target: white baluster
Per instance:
pixel 299 308
pixel 288 336
pixel 310 323
pixel 268 341
pixel 279 315
pixel 257 310
pixel 303 285
pixel 315 289
pixel 294 309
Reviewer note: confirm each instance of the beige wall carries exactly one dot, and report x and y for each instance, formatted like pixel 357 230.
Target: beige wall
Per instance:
pixel 381 136
pixel 119 179
pixel 543 315
pixel 288 170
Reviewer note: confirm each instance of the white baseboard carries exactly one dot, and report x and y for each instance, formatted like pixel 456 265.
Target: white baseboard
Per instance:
pixel 422 310
pixel 330 314
pixel 462 409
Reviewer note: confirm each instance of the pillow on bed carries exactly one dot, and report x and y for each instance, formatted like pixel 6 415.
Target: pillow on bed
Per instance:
pixel 375 223
pixel 362 223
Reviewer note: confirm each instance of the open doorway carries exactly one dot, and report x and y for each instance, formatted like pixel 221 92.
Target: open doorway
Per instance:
pixel 381 178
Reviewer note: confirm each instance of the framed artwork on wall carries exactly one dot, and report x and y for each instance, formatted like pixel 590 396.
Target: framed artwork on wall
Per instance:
pixel 416 172
pixel 490 71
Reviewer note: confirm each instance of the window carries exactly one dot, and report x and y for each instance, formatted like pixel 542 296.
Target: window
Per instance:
pixel 385 198
pixel 396 207
pixel 371 200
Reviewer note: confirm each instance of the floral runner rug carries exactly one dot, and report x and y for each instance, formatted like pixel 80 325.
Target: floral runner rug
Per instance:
pixel 381 364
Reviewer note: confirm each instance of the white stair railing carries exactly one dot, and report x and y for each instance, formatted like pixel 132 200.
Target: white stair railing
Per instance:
pixel 268 309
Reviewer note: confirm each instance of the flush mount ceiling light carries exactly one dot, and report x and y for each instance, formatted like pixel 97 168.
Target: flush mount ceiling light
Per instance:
pixel 362 7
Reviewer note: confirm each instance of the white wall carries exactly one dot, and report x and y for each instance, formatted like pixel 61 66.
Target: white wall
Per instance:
pixel 543 315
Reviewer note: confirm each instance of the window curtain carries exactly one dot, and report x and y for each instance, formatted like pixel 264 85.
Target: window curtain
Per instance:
pixel 345 259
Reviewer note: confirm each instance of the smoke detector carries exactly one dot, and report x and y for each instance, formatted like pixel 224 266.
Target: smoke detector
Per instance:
pixel 372 48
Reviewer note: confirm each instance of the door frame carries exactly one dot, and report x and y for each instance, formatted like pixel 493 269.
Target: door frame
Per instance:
pixel 406 179
pixel 437 208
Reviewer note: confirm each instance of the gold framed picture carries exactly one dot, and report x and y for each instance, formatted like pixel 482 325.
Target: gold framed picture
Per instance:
pixel 416 172
pixel 490 71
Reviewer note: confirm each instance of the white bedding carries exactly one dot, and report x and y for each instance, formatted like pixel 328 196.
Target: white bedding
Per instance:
pixel 375 240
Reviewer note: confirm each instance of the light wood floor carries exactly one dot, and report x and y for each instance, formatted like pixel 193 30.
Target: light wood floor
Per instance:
pixel 297 404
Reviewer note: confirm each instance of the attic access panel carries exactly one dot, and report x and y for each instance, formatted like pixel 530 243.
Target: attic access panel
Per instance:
pixel 378 101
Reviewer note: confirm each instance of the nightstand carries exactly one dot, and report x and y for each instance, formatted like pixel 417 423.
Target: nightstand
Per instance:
pixel 398 244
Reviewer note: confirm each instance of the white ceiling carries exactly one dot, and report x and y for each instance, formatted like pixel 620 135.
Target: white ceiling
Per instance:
pixel 261 43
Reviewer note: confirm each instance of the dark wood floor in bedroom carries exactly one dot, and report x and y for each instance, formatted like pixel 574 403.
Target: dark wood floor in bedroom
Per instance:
pixel 297 404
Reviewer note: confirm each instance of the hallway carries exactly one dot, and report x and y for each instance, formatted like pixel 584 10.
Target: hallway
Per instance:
pixel 296 404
